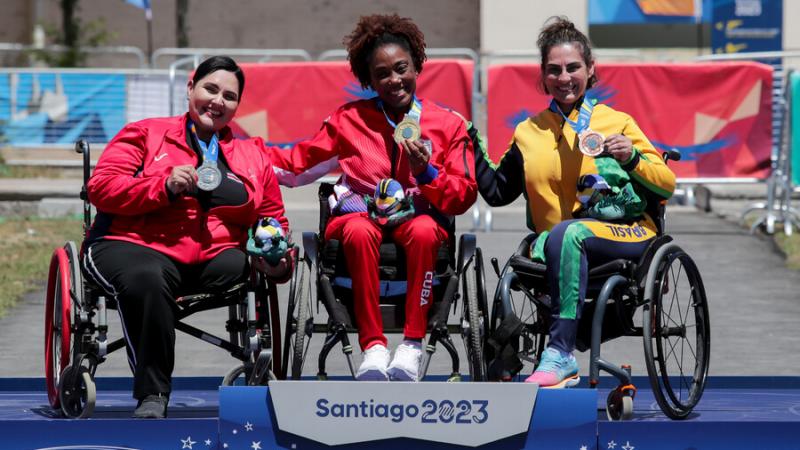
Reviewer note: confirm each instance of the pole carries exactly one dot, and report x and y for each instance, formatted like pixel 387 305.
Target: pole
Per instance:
pixel 148 15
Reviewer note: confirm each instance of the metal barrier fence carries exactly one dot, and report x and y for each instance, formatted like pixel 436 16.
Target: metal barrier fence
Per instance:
pixel 58 105
pixel 95 55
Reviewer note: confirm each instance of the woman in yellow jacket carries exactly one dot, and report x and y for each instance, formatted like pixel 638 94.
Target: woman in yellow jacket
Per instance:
pixel 590 177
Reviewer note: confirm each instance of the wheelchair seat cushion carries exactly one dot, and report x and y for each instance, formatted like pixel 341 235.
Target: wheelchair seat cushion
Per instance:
pixel 533 274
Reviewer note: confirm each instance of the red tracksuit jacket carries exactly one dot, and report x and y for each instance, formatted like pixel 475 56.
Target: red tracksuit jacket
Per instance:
pixel 358 140
pixel 129 185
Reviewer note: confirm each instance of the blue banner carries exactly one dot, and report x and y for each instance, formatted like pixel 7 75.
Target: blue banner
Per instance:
pixel 747 26
pixel 60 108
pixel 610 12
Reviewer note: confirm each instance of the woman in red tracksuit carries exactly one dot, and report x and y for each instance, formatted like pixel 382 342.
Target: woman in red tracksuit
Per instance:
pixel 386 53
pixel 162 232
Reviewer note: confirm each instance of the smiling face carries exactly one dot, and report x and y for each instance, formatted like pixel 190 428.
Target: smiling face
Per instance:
pixel 213 100
pixel 566 74
pixel 393 76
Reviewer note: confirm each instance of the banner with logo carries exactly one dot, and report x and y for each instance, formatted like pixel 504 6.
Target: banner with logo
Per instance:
pixel 717 114
pixel 429 415
pixel 747 26
pixel 287 102
pixel 39 108
pixel 609 12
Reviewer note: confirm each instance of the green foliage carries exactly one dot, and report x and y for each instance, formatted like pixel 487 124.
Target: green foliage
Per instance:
pixel 75 35
pixel 790 246
pixel 27 246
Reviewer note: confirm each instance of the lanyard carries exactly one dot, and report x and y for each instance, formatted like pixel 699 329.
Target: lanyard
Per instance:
pixel 414 113
pixel 583 116
pixel 210 150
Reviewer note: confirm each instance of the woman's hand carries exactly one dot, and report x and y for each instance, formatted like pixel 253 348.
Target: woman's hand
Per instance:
pixel 619 146
pixel 182 179
pixel 418 156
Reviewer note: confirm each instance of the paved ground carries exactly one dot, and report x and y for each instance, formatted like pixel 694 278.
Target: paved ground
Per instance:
pixel 754 302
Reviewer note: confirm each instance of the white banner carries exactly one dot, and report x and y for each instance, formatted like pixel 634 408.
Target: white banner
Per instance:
pixel 345 412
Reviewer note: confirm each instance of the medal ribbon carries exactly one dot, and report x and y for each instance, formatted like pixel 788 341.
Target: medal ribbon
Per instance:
pixel 414 113
pixel 210 150
pixel 583 116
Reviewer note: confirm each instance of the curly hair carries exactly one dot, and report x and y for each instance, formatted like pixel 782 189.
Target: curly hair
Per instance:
pixel 560 30
pixel 377 30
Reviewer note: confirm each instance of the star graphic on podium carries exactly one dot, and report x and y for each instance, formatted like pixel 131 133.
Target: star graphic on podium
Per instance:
pixel 188 442
pixel 583 447
pixel 248 426
pixel 612 444
pixel 208 442
pixel 256 445
pixel 628 446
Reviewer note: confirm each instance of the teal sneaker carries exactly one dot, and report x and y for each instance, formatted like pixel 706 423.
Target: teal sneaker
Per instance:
pixel 555 371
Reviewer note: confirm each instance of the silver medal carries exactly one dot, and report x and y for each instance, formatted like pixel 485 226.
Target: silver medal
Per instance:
pixel 208 176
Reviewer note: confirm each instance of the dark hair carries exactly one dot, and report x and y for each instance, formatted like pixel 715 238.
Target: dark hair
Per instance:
pixel 559 30
pixel 377 30
pixel 216 63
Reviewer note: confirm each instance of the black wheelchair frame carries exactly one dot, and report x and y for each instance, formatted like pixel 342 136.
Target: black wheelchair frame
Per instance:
pixel 672 328
pixel 76 325
pixel 325 262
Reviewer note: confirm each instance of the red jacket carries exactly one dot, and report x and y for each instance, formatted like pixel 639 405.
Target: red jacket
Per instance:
pixel 357 138
pixel 129 184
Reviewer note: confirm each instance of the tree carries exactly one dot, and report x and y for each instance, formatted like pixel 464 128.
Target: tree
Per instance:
pixel 181 23
pixel 73 35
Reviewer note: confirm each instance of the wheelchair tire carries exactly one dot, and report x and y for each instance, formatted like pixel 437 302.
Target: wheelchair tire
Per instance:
pixel 77 392
pixel 233 376
pixel 299 323
pixel 58 318
pixel 289 329
pixel 676 331
pixel 473 316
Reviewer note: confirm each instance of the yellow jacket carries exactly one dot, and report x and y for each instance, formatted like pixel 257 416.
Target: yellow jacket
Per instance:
pixel 543 162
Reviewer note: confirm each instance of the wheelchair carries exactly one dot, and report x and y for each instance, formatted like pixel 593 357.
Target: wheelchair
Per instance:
pixel 76 325
pixel 321 273
pixel 664 283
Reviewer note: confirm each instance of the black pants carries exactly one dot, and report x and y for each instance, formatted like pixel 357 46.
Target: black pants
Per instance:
pixel 145 283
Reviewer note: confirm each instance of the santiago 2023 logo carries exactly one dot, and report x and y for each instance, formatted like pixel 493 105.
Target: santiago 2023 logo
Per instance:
pixel 429 411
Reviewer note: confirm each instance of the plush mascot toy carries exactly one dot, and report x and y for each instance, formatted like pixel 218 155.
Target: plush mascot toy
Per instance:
pixel 390 206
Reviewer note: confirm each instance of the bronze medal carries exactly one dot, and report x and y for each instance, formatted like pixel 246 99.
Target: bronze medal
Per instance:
pixel 590 143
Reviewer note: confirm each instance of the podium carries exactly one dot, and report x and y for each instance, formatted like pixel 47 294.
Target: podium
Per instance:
pixel 735 412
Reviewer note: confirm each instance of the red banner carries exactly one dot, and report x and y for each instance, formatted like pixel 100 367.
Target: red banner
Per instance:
pixel 717 114
pixel 287 102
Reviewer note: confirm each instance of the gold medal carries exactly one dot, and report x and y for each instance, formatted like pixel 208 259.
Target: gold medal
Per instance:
pixel 407 129
pixel 591 143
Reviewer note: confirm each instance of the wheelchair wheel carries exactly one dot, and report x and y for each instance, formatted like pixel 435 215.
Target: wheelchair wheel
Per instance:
pixel 474 315
pixel 77 392
pixel 236 376
pixel 63 285
pixel 676 331
pixel 299 321
pixel 522 304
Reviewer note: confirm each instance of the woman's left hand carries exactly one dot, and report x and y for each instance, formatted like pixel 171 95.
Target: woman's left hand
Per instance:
pixel 418 155
pixel 619 146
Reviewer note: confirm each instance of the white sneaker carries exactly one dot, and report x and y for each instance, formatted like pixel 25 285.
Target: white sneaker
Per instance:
pixel 405 365
pixel 373 366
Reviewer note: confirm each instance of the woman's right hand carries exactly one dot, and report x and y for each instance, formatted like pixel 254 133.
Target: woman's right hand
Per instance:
pixel 182 179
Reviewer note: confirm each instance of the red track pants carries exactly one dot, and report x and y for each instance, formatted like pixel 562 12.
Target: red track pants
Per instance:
pixel 421 238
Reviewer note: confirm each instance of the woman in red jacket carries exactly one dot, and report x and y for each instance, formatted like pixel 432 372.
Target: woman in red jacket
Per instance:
pixel 175 198
pixel 393 135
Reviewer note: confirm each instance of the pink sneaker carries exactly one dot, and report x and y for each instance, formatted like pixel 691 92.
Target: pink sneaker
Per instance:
pixel 555 371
